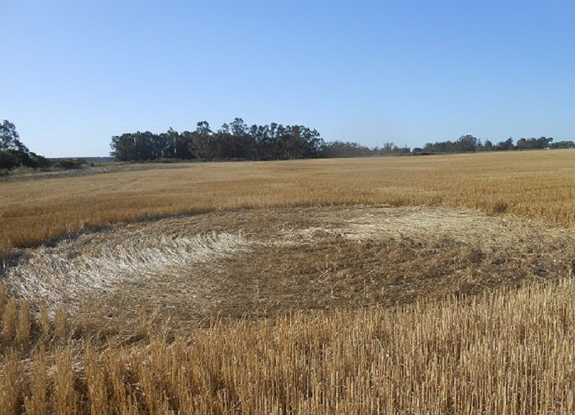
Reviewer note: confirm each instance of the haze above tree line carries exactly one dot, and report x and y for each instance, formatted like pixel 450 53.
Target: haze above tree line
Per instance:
pixel 238 141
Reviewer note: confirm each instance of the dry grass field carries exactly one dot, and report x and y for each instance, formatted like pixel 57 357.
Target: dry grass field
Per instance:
pixel 412 285
pixel 531 184
pixel 262 262
pixel 506 352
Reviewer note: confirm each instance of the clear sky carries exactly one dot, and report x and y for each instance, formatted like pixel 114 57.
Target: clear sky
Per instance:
pixel 74 73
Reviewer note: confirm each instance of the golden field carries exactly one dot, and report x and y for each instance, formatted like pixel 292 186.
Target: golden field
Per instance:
pixel 508 352
pixel 536 184
pixel 408 285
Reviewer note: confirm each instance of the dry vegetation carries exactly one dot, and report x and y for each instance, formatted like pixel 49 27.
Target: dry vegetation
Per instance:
pixel 535 184
pixel 508 352
pixel 262 262
pixel 356 286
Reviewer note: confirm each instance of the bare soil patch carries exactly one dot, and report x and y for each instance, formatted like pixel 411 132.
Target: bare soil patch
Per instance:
pixel 257 263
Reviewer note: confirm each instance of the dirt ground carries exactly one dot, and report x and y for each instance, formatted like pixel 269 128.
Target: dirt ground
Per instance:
pixel 256 263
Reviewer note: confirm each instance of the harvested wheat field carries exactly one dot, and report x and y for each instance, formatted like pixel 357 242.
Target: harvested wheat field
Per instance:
pixel 259 262
pixel 536 184
pixel 437 285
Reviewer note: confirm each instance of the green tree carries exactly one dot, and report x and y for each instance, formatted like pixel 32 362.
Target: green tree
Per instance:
pixel 13 153
pixel 466 143
pixel 10 139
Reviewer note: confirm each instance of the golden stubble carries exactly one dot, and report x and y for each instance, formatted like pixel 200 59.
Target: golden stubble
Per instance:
pixel 504 352
pixel 536 184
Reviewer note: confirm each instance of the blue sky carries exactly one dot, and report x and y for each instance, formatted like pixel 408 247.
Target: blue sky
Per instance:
pixel 74 73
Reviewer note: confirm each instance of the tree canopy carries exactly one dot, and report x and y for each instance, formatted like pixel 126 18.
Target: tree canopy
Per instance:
pixel 233 141
pixel 469 143
pixel 238 141
pixel 13 153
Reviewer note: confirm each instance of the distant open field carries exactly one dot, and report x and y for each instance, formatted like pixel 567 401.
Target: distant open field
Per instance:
pixel 408 285
pixel 536 184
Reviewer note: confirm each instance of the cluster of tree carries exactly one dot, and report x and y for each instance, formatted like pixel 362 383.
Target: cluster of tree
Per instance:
pixel 338 149
pixel 238 141
pixel 233 141
pixel 468 143
pixel 562 144
pixel 13 153
pixel 464 144
pixel 533 143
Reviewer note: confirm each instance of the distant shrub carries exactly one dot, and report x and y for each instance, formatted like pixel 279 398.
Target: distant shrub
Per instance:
pixel 69 164
pixel 166 160
pixel 11 159
pixel 21 170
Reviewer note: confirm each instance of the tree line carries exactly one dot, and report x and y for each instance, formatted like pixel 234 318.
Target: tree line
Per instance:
pixel 14 154
pixel 469 143
pixel 238 141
